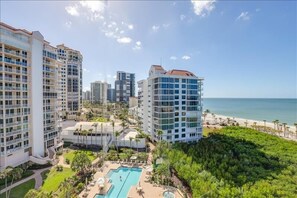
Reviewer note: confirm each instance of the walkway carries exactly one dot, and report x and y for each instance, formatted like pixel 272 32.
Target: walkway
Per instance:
pixel 36 176
pixel 62 162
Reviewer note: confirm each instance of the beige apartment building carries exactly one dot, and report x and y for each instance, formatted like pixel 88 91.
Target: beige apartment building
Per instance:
pixel 32 86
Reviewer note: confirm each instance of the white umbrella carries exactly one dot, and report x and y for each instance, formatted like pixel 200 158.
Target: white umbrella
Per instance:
pixel 100 181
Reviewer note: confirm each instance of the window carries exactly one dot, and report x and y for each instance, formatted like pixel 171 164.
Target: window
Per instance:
pixel 184 80
pixel 176 80
pixel 176 91
pixel 184 108
pixel 176 86
pixel 176 136
pixel 176 125
pixel 183 124
pixel 183 135
pixel 176 119
pixel 176 97
pixel 183 91
pixel 183 129
pixel 176 102
pixel 183 97
pixel 183 102
pixel 183 86
pixel 176 130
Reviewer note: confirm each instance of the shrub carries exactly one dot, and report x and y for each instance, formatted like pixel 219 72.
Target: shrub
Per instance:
pixel 80 187
pixel 67 161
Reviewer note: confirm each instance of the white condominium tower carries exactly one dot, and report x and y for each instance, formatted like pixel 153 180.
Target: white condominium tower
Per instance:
pixel 99 92
pixel 170 101
pixel 30 75
pixel 71 82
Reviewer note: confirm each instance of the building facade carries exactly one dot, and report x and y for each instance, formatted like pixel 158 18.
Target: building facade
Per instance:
pixel 72 80
pixel 29 107
pixel 124 86
pixel 99 92
pixel 111 94
pixel 173 105
pixel 143 104
pixel 86 95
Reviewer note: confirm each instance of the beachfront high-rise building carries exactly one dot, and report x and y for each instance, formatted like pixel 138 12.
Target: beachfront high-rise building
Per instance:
pixel 71 80
pixel 99 92
pixel 110 94
pixel 124 86
pixel 29 78
pixel 171 101
pixel 86 95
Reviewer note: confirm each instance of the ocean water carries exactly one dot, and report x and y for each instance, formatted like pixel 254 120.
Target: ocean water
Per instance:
pixel 284 110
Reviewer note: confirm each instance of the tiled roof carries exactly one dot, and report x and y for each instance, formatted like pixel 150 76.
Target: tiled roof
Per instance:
pixel 14 29
pixel 176 72
pixel 158 67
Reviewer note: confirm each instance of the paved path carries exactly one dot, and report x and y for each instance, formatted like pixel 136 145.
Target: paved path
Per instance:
pixel 62 162
pixel 36 176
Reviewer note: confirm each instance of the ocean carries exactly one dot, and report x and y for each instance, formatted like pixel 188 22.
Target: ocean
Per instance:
pixel 284 110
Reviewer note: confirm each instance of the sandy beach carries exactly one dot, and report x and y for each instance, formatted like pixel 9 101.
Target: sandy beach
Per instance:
pixel 216 120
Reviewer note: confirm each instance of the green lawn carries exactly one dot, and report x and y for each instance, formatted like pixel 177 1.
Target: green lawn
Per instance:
pixel 206 131
pixel 20 190
pixel 54 178
pixel 99 119
pixel 71 153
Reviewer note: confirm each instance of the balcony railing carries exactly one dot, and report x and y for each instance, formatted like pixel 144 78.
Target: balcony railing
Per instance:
pixel 15 53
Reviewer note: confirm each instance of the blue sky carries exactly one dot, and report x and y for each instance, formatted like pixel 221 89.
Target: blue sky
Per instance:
pixel 241 48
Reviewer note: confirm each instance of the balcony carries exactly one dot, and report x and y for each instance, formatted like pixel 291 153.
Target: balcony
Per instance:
pixel 14 123
pixel 15 53
pixel 13 150
pixel 9 142
pixel 14 62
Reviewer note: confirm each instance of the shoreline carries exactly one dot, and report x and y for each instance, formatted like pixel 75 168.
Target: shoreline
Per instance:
pixel 217 119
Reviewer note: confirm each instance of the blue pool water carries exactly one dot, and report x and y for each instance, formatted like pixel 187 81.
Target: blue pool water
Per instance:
pixel 121 187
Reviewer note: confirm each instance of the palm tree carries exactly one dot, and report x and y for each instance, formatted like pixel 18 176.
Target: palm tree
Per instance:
pixel 101 135
pixel 207 111
pixel 117 134
pixel 255 125
pixel 277 122
pixel 77 132
pixel 16 173
pixel 78 114
pixel 95 125
pixel 91 132
pixel 137 140
pixel 130 138
pixel 85 134
pixel 228 120
pixel 246 123
pixel 160 134
pixel 264 124
pixel 285 131
pixel 112 124
pixel 123 124
pixel 295 124
pixel 4 175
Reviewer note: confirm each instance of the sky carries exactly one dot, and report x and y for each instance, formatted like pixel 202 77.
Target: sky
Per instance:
pixel 242 49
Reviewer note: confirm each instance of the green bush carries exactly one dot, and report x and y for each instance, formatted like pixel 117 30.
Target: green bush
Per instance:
pixel 67 161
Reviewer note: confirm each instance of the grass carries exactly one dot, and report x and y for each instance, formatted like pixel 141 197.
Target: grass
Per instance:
pixel 99 119
pixel 71 153
pixel 206 131
pixel 53 178
pixel 20 190
pixel 25 174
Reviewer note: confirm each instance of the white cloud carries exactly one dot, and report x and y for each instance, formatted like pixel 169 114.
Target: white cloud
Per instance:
pixel 166 25
pixel 93 6
pixel 124 40
pixel 185 57
pixel 86 70
pixel 173 58
pixel 122 32
pixel 86 88
pixel 155 28
pixel 72 10
pixel 108 76
pixel 182 17
pixel 68 24
pixel 244 16
pixel 137 46
pixel 114 77
pixel 131 27
pixel 203 8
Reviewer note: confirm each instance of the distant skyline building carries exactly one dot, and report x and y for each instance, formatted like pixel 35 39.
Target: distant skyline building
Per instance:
pixel 171 101
pixel 29 92
pixel 71 82
pixel 86 95
pixel 99 92
pixel 124 86
pixel 111 95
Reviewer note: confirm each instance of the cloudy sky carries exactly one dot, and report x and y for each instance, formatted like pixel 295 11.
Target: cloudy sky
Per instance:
pixel 242 49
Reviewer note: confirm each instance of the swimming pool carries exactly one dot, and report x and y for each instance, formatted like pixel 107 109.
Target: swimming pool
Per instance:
pixel 121 179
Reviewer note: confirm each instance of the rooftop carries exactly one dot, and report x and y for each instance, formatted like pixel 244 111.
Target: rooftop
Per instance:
pixel 176 72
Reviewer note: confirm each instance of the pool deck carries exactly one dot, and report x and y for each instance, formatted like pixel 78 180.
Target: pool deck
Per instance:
pixel 148 190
